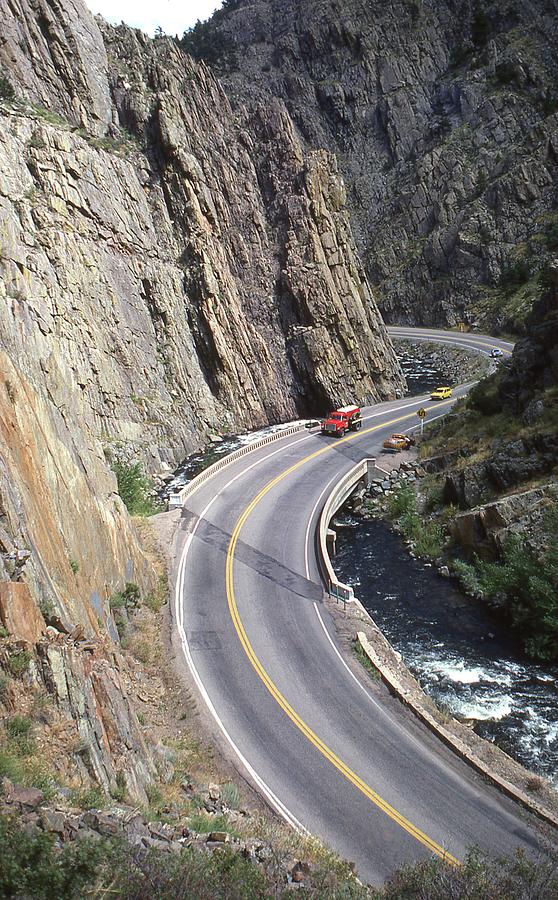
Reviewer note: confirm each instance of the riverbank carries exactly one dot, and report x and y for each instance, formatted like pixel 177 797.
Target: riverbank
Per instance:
pixel 391 661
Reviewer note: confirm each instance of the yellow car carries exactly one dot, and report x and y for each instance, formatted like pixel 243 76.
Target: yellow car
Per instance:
pixel 441 393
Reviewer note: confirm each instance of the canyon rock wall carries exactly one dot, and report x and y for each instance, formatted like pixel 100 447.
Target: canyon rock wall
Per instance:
pixel 443 116
pixel 169 268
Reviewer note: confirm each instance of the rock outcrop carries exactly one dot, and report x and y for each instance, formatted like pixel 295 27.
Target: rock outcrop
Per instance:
pixel 169 268
pixel 443 117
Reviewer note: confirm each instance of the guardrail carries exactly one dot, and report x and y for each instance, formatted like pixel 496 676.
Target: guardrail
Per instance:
pixel 361 471
pixel 179 498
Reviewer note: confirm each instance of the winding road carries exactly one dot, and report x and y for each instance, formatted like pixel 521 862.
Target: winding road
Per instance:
pixel 330 750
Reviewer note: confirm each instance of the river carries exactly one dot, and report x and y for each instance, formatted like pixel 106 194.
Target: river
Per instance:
pixel 463 656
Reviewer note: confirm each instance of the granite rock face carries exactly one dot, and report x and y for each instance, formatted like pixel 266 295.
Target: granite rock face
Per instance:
pixel 443 118
pixel 169 268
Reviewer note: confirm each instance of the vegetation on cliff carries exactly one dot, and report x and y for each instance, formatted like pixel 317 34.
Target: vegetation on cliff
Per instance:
pixel 497 455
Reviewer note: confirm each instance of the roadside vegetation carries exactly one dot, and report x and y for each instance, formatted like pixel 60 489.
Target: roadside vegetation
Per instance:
pixel 32 866
pixel 135 489
pixel 525 585
pixel 426 537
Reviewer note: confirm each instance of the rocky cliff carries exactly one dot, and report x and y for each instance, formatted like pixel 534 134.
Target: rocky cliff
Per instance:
pixel 169 268
pixel 443 118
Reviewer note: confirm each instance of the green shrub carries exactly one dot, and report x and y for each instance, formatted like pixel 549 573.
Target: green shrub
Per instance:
pixel 479 878
pixel 154 796
pixel 18 726
pixel 523 584
pixel 230 795
pixel 128 599
pixel 119 791
pixel 36 141
pixel 484 397
pixel 74 566
pixel 7 91
pixel 204 824
pixel 30 866
pixel 4 633
pixel 480 25
pixel 18 662
pixel 515 274
pixel 134 487
pixel 401 502
pixel 429 542
pixel 90 798
pixel 467 574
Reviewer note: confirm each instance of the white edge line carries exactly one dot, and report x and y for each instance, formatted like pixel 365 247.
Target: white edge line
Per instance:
pixel 179 614
pixel 275 802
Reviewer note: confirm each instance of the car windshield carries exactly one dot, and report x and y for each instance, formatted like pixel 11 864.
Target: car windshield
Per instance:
pixel 336 417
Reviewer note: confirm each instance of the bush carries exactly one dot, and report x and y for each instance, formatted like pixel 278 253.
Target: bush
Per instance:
pixel 204 824
pixel 479 878
pixel 468 576
pixel 4 685
pixel 7 91
pixel 401 502
pixel 18 662
pixel 230 795
pixel 480 26
pixel 527 586
pixel 18 726
pixel 430 540
pixel 515 274
pixel 31 867
pixel 74 566
pixel 134 487
pixel 90 798
pixel 484 397
pixel 127 599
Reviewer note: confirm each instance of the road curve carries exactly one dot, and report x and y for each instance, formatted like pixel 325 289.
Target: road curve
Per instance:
pixel 334 754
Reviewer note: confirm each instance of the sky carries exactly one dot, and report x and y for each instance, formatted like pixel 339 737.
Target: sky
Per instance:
pixel 174 16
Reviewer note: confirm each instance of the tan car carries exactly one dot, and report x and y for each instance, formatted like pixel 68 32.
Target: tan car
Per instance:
pixel 398 442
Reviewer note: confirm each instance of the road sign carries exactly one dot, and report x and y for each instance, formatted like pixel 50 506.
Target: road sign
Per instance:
pixel 421 413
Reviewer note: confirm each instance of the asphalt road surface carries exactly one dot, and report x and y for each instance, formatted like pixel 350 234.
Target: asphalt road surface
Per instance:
pixel 331 752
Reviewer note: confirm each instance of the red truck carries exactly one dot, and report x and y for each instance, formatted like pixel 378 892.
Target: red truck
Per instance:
pixel 346 418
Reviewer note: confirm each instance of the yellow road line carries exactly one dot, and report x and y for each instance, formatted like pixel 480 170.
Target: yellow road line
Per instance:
pixel 317 742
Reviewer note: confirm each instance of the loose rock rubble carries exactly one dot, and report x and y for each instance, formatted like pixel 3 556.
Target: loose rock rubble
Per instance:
pixel 128 823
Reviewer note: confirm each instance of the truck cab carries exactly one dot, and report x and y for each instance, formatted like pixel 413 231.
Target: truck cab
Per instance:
pixel 338 422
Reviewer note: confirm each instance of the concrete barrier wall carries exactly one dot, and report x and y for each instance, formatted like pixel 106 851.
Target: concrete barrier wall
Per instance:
pixel 389 672
pixel 342 490
pixel 179 498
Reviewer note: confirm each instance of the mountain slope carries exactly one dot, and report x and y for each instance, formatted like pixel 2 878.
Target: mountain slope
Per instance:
pixel 443 119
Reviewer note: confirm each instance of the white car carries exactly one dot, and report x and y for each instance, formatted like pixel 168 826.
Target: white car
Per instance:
pixel 496 353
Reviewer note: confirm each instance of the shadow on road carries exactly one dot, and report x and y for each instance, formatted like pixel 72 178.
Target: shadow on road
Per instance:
pixel 259 562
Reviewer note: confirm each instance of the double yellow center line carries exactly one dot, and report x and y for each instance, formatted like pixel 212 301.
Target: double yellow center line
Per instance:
pixel 316 741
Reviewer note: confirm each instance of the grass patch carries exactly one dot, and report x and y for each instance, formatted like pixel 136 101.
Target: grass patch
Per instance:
pixel 18 662
pixel 364 661
pixel 135 489
pixel 205 824
pixel 427 537
pixel 230 795
pixel 90 798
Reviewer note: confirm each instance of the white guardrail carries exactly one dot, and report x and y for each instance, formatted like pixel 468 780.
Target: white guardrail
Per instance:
pixel 178 499
pixel 365 470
